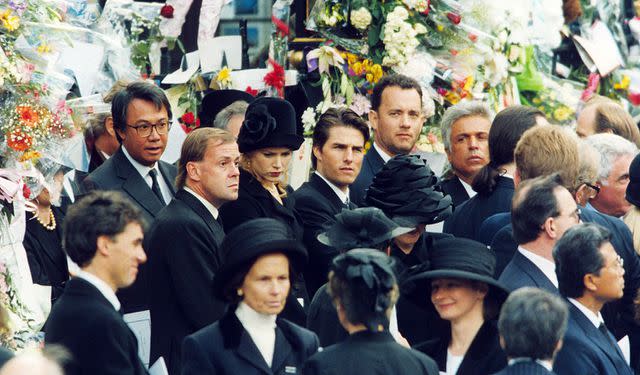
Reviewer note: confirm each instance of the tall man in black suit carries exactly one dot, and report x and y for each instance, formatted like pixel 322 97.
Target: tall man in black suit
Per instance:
pixel 141 117
pixel 396 117
pixel 184 243
pixel 103 234
pixel 338 150
pixel 465 134
pixel 590 274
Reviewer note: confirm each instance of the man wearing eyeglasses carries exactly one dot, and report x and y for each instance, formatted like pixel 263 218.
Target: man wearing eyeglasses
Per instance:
pixel 141 117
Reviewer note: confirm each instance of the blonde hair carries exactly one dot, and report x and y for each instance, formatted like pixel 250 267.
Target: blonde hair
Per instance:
pixel 632 219
pixel 245 164
pixel 610 116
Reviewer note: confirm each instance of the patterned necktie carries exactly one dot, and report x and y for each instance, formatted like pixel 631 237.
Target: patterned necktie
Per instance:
pixel 155 186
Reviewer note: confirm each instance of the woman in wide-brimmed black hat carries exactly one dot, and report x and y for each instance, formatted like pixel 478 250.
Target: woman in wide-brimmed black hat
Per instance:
pixel 255 280
pixel 461 288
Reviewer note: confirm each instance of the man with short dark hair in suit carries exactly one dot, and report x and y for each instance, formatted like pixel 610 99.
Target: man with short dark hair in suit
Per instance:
pixel 103 234
pixel 542 211
pixel 338 149
pixel 141 118
pixel 590 274
pixel 532 323
pixel 184 243
pixel 396 117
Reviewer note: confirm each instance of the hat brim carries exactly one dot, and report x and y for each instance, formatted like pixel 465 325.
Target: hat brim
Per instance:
pixel 290 141
pixel 632 193
pixel 349 244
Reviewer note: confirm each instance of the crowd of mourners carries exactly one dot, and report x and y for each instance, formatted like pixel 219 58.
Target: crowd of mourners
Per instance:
pixel 522 258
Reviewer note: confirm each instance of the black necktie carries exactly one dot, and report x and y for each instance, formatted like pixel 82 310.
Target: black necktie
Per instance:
pixel 155 186
pixel 602 328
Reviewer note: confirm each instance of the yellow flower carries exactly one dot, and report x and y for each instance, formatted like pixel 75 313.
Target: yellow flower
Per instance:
pixel 562 113
pixel 623 84
pixel 357 68
pixel 351 58
pixel 224 77
pixel 536 101
pixel 44 48
pixel 439 27
pixel 29 155
pixel 375 73
pixel 9 21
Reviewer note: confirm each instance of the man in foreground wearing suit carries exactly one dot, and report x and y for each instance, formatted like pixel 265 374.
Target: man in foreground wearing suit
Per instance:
pixel 532 323
pixel 141 117
pixel 396 117
pixel 102 234
pixel 184 243
pixel 590 274
pixel 338 148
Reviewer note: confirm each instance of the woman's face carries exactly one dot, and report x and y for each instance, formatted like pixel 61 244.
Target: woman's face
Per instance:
pixel 455 299
pixel 270 164
pixel 266 286
pixel 408 240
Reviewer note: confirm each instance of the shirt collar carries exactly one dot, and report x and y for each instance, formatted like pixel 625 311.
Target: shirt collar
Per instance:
pixel 547 267
pixel 546 364
pixel 385 157
pixel 142 169
pixel 206 203
pixel 102 286
pixel 252 319
pixel 470 192
pixel 596 319
pixel 342 195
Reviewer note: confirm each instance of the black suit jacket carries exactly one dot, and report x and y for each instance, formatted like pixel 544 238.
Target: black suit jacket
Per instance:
pixel 85 322
pixel 368 352
pixel 453 187
pixel 484 356
pixel 317 204
pixel 371 164
pixel 184 253
pixel 117 173
pixel 225 348
pixel 521 272
pixel 525 368
pixel 468 216
pixel 587 351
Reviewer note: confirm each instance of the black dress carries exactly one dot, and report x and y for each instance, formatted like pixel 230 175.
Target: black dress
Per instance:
pixel 47 260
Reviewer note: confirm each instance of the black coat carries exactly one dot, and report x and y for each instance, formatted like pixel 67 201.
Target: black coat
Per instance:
pixel 372 163
pixel 468 216
pixel 370 353
pixel 85 322
pixel 453 187
pixel 184 253
pixel 484 356
pixel 117 173
pixel 525 368
pixel 521 272
pixel 316 205
pixel 226 348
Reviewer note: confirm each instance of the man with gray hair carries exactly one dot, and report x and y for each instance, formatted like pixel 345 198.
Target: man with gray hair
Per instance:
pixel 231 117
pixel 465 134
pixel 532 323
pixel 616 154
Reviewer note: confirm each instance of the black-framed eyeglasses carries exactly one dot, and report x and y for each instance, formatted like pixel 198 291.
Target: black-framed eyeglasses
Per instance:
pixel 595 188
pixel 144 130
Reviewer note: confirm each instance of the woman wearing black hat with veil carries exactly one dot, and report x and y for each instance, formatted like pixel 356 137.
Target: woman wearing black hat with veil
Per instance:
pixel 461 287
pixel 364 289
pixel 251 338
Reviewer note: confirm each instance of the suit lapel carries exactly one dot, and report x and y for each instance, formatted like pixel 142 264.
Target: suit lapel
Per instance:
pixel 476 354
pixel 169 175
pixel 325 190
pixel 374 161
pixel 534 272
pixel 281 352
pixel 248 351
pixel 135 185
pixel 199 208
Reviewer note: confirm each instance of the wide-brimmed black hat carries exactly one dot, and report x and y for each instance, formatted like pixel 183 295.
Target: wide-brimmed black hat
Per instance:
pixel 407 190
pixel 360 228
pixel 633 189
pixel 216 101
pixel 269 122
pixel 458 258
pixel 249 241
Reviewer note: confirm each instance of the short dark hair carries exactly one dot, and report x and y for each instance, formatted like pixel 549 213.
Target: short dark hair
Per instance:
pixel 99 213
pixel 576 254
pixel 397 80
pixel 533 203
pixel 532 322
pixel 334 117
pixel 506 130
pixel 136 90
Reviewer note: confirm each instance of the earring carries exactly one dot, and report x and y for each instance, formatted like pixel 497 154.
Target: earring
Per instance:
pixel 240 293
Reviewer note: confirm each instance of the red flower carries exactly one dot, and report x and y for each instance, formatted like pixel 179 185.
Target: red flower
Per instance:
pixel 251 91
pixel 454 18
pixel 188 118
pixel 426 11
pixel 281 28
pixel 441 91
pixel 166 11
pixel 634 98
pixel 26 192
pixel 275 78
pixel 473 37
pixel 592 87
pixel 19 141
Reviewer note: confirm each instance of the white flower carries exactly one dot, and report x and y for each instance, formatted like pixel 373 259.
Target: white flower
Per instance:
pixel 361 18
pixel 496 68
pixel 419 28
pixel 398 14
pixel 360 105
pixel 419 5
pixel 309 120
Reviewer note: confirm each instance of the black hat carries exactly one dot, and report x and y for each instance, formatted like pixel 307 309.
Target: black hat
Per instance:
pixel 370 274
pixel 459 258
pixel 408 192
pixel 217 100
pixel 633 189
pixel 269 122
pixel 361 228
pixel 249 241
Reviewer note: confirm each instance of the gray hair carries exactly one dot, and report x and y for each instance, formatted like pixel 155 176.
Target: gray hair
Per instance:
pixel 458 111
pixel 610 147
pixel 234 109
pixel 532 322
pixel 589 163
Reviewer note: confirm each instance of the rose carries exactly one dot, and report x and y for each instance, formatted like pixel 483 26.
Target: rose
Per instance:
pixel 26 192
pixel 257 125
pixel 166 11
pixel 361 18
pixel 188 118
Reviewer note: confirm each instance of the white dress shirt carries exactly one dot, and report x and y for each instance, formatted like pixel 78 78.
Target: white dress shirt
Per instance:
pixel 344 197
pixel 470 192
pixel 211 208
pixel 261 329
pixel 102 286
pixel 547 267
pixel 385 157
pixel 143 170
pixel 596 319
